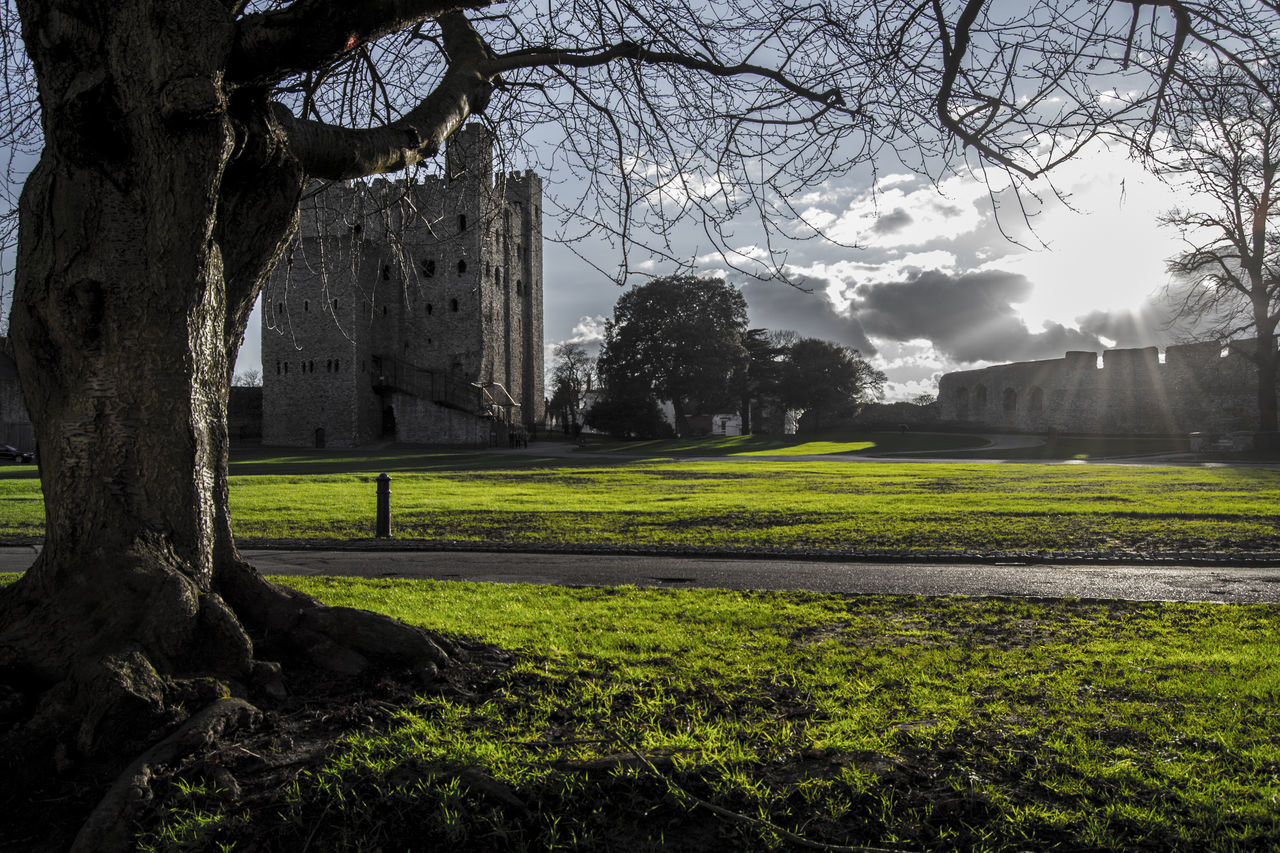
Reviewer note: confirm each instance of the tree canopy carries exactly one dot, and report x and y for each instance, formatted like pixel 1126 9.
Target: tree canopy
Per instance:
pixel 680 337
pixel 827 380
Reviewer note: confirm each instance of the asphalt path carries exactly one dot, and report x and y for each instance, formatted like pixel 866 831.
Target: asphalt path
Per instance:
pixel 1233 585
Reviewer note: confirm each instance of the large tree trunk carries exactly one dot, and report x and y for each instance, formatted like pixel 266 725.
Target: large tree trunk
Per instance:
pixel 158 207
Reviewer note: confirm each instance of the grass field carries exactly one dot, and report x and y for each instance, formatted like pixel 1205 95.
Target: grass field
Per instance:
pixel 837 505
pixel 910 724
pixel 664 720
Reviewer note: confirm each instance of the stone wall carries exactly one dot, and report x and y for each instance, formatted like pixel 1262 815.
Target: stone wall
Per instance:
pixel 15 425
pixel 409 310
pixel 1196 388
pixel 244 414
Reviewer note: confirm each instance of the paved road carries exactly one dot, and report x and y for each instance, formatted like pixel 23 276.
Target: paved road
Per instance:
pixel 1138 583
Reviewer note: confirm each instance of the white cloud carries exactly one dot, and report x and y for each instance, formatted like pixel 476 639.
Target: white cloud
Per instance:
pixel 589 329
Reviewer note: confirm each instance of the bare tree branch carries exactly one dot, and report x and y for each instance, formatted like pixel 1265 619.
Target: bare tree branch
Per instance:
pixel 311 34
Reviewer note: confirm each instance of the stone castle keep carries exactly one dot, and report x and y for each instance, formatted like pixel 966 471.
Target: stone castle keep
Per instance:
pixel 409 311
pixel 1197 388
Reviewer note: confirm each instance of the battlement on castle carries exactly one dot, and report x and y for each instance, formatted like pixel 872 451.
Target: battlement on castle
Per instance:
pixel 440 277
pixel 1203 387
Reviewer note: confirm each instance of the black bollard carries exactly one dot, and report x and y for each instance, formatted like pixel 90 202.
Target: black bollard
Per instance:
pixel 384 507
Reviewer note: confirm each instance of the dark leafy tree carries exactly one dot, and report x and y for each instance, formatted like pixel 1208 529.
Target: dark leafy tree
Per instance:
pixel 175 140
pixel 628 409
pixel 682 336
pixel 827 380
pixel 1225 142
pixel 759 376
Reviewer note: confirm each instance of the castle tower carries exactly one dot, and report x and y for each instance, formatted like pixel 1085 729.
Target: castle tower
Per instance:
pixel 430 300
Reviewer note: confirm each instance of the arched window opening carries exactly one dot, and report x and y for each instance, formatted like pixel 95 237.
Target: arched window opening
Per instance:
pixel 453 305
pixel 386 272
pixel 384 310
pixel 335 305
pixel 1010 401
pixel 462 222
pixel 306 305
pixel 279 307
pixel 429 267
pixel 462 267
pixel 428 309
pixel 311 367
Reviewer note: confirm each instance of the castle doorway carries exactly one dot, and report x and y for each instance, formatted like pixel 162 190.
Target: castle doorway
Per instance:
pixel 388 422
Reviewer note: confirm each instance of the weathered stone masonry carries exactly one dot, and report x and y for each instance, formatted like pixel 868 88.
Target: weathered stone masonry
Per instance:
pixel 409 311
pixel 1197 388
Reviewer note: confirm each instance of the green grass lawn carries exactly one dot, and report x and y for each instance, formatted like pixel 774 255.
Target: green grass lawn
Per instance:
pixel 444 496
pixel 915 724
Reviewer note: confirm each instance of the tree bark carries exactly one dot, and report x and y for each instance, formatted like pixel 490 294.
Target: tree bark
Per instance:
pixel 160 203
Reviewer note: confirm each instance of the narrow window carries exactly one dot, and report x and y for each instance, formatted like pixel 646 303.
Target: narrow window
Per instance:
pixel 306 305
pixel 519 287
pixel 279 307
pixel 386 272
pixel 462 267
pixel 286 368
pixel 335 305
pixel 336 365
pixel 429 267
pixel 462 222
pixel 328 366
pixel 311 367
pixel 428 308
pixel 384 310
pixel 453 305
pixel 277 368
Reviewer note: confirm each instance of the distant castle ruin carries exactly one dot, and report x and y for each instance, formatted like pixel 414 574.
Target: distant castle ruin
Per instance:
pixel 409 311
pixel 1196 388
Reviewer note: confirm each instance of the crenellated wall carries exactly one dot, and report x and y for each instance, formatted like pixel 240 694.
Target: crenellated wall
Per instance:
pixel 1197 388
pixel 409 310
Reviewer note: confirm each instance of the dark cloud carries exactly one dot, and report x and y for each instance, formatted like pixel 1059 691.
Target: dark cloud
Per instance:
pixel 777 306
pixel 969 317
pixel 891 223
pixel 1146 326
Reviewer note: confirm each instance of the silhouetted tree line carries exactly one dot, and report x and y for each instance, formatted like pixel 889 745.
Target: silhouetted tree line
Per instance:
pixel 684 340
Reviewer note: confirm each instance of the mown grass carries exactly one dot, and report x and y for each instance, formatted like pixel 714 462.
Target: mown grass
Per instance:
pixel 831 443
pixel 757 503
pixel 917 724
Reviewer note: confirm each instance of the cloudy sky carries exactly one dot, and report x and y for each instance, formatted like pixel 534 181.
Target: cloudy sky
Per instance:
pixel 944 278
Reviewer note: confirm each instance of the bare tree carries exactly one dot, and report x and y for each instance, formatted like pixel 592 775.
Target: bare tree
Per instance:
pixel 571 378
pixel 175 141
pixel 1224 142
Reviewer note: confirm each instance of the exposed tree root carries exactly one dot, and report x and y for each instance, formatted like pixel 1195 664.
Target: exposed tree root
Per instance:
pixel 84 692
pixel 110 825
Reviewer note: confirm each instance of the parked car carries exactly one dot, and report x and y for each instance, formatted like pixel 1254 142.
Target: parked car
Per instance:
pixel 9 453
